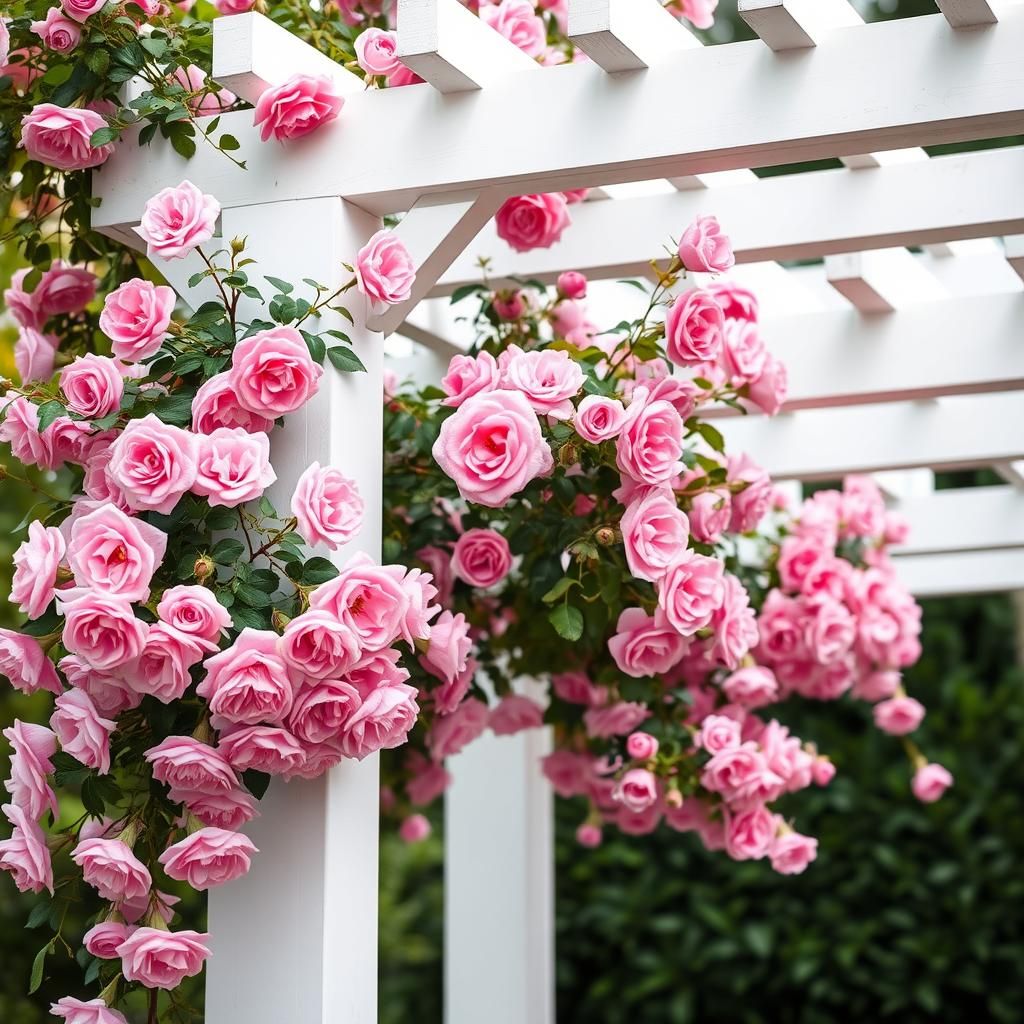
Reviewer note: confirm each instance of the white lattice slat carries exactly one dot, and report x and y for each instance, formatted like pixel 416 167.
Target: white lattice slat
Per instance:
pixel 881 280
pixel 796 24
pixel 965 519
pixel 966 572
pixel 626 35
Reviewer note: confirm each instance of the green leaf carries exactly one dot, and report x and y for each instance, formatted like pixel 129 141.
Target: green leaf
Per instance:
pixel 317 349
pixel 229 143
pixel 256 782
pixel 567 620
pixel 103 135
pixel 252 596
pixel 464 291
pixel 48 412
pixel 174 409
pixel 92 797
pixel 244 617
pixel 266 507
pixel 563 586
pixel 345 359
pixel 40 912
pixel 712 436
pixel 36 977
pixel 282 286
pixel 228 551
pixel 318 570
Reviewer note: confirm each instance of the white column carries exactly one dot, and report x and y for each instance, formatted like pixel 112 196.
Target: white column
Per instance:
pixel 295 941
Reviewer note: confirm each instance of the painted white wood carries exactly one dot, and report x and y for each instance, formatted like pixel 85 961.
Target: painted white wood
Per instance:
pixel 716 179
pixel 626 35
pixel 295 939
pixel 796 24
pixel 1014 248
pixel 945 433
pixel 251 53
pixel 965 519
pixel 452 49
pixel 1011 472
pixel 880 86
pixel 887 158
pixel 881 280
pixel 796 216
pixel 900 484
pixel 969 13
pixel 966 572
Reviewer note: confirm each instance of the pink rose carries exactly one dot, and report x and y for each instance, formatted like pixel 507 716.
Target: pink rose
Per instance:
pixel 111 694
pixel 568 773
pixel 448 696
pixel 22 305
pixel 492 447
pixel 381 721
pixel 898 715
pixel 64 289
pixel 791 852
pixel 614 719
pixel 548 379
pixel 103 631
pixel 230 810
pixel 262 748
pixel 162 668
pixel 694 329
pixel 58 33
pixel 655 533
pixel 80 10
pixel 161 905
pixel 823 771
pixel 187 765
pixel 710 515
pixel 468 376
pixel 718 733
pixel 385 271
pixel 749 834
pixel 297 107
pixel 204 99
pixel 216 405
pixel 751 687
pixel 691 591
pixel 641 746
pixel 750 505
pixel 449 647
pixel 514 713
pixel 377 51
pixel 650 444
pixel 233 6
pixel 232 466
pixel 103 939
pixel 518 22
pixel 248 683
pixel 177 220
pixel 20 429
pixel 35 569
pixel 703 246
pixel 82 732
pixel 316 645
pixel 769 389
pixel 414 829
pixel 193 611
pixel 645 645
pixel 94 1011
pixel 34 355
pixel 153 463
pixel 744 354
pixel 162 959
pixel 318 716
pixel 638 823
pixel 112 554
pixel 533 221
pixel 509 305
pixel 572 285
pixel 637 790
pixel 734 624
pixel 830 631
pixel 737 302
pixel 589 836
pixel 25 664
pixel 135 318
pixel 272 372
pixel 427 780
pixel 742 776
pixel 599 419
pixel 208 857
pixel 451 734
pixel 25 854
pixel 93 386
pixel 33 746
pixel 481 558
pixel 328 507
pixel 930 782
pixel 575 688
pixel 59 137
pixel 110 867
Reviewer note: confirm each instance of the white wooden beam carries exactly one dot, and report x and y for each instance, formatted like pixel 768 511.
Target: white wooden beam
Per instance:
pixel 964 519
pixel 626 35
pixel 969 13
pixel 946 433
pixel 1014 248
pixel 1011 472
pixel 881 280
pixel 884 85
pixel 251 54
pixel 796 24
pixel 716 179
pixel 965 572
pixel 452 49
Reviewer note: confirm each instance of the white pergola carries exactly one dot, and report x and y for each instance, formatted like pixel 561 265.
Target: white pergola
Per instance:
pixel 903 338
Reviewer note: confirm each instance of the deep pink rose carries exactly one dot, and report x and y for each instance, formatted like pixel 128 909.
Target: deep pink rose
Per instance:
pixel 385 271
pixel 691 591
pixel 162 959
pixel 216 405
pixel 194 611
pixel 704 247
pixel 135 318
pixel 548 379
pixel 750 505
pixel 93 386
pixel 749 834
pixel 177 220
pixel 694 329
pixel 898 715
pixel 187 765
pixel 518 22
pixel 492 447
pixel 273 373
pixel 769 389
pixel 710 515
pixel 328 507
pixel 514 713
pixel 321 709
pixel 262 748
pixel 25 664
pixel 103 939
pixel 381 721
pixel 232 466
pixel 752 687
pixel 509 305
pixel 468 376
pixel 153 463
pixel 791 852
pixel 34 355
pixel 414 829
pixel 32 748
pixel 655 532
pixel 297 107
pixel 110 867
pixel 377 51
pixel 650 444
pixel 452 733
pixel 248 683
pixel 35 568
pixel 637 789
pixel 599 419
pixel 25 854
pixel 641 746
pixel 533 221
pixel 59 137
pixel 80 10
pixel 316 645
pixel 82 731
pixel 481 558
pixel 57 32
pixel 102 630
pixel 614 719
pixel 449 647
pixel 645 645
pixel 572 285
pixel 208 857
pixel 930 782
pixel 162 668
pixel 204 99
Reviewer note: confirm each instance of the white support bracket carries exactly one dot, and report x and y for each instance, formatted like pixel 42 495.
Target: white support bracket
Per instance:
pixel 626 35
pixel 1011 472
pixel 969 13
pixel 452 49
pixel 882 280
pixel 796 24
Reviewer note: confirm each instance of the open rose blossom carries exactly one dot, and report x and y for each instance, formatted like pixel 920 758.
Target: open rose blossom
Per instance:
pixel 82 731
pixel 481 558
pixel 25 664
pixel 691 591
pixel 189 766
pixel 153 463
pixel 468 376
pixel 316 645
pixel 385 271
pixel 25 853
pixel 248 683
pixel 704 247
pixel 103 630
pixel 297 107
pixel 655 532
pixel 377 52
pixel 93 386
pixel 519 23
pixel 177 220
pixel 548 379
pixel 194 611
pixel 162 669
pixel 327 506
pixel 650 444
pixel 514 713
pixel 32 746
pixel 645 645
pixel 791 852
pixel 110 867
pixel 694 329
pixel 380 721
pixel 930 782
pixel 35 568
pixel 161 959
pixel 216 405
pixel 208 857
pixel 35 354
pixel 135 318
pixel 599 419
pixel 80 10
pixel 533 221
pixel 262 748
pixel 272 373
pixel 92 1011
pixel 58 33
pixel 232 466
pixel 59 137
pixel 103 939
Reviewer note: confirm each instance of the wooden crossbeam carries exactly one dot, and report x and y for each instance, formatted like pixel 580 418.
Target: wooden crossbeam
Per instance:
pixel 881 280
pixel 964 519
pixel 626 35
pixel 969 13
pixel 796 24
pixel 1014 248
pixel 965 572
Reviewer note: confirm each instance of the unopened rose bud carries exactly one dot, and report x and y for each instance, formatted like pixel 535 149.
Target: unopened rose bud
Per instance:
pixel 204 568
pixel 279 620
pixel 64 574
pixel 674 799
pixel 588 835
pixel 5 385
pixel 237 245
pixel 174 328
pixel 568 455
pixel 605 536
pixel 3 471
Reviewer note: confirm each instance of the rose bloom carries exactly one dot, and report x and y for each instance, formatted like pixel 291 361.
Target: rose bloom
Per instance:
pixel 233 6
pixel 177 220
pixel 645 645
pixel 638 823
pixel 80 10
pixel 315 645
pixel 750 505
pixel 548 379
pixel 111 693
pixel 208 857
pixel 153 463
pixel 898 715
pixel 791 852
pixel 110 867
pixel 103 631
pixel 376 52
pixel 588 836
pixel 57 32
pixel 414 829
pixel 93 386
pixel 710 515
pixel 25 853
pixel 229 810
pixel 691 591
pixel 614 719
pixel 205 99
pixel 533 221
pixel 22 305
pixel 718 733
pixel 32 748
pixel 381 721
pixel 34 355
pixel 82 732
pixel 328 507
pixel 509 305
pixel 655 532
pixel 448 696
pixel 59 137
pixel 321 709
pixel 694 329
pixel 190 766
pixel 451 734
pixel 734 624
pixel 492 447
pixel 449 647
pixel 297 107
pixel 703 246
pixel 262 748
pixel 468 376
pixel 599 419
pixel 752 687
pixel 514 713
pixel 481 558
pixel 194 611
pixel 427 780
pixel 35 568
pixel 113 554
pixel 232 466
pixel 744 354
pixel 248 683
pixel 93 1011
pixel 637 790
pixel 568 773
pixel 103 939
pixel 572 284
pixel 216 405
pixel 384 269
pixel 518 22
pixel 272 372
pixel 162 669
pixel 930 782
pixel 651 442
pixel 737 302
pixel 162 959
pixel 135 318
pixel 769 389
pixel 749 834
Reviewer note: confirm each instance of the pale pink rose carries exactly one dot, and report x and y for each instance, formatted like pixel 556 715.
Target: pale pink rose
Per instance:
pixel 734 624
pixel 203 99
pixel 568 773
pixel 492 447
pixel 637 790
pixel 569 320
pixel 694 329
pixel 110 867
pixel 25 854
pixel 177 220
pixel 703 246
pixel 34 355
pixel 691 591
pixel 162 669
pixel 718 733
pixel 112 554
pixel 449 647
pixel 233 6
pixel 93 386
pixel 315 645
pixel 82 731
pixel 575 688
pixel 752 687
pixel 208 857
pixel 5 42
pixel 193 611
pixel 830 631
pixel 103 939
pixel 737 302
pixel 645 645
pixel 57 32
pixel 80 10
pixel 862 507
pixel 548 379
pixel 23 305
pixel 791 852
pixel 135 318
pixel 248 683
pixel 272 372
pixel 103 630
pixel 514 713
pixel 768 390
pixel 481 558
pixel 230 810
pixel 32 748
pixel 614 719
pixel 376 669
pixel 876 686
pixel 20 429
pixel 377 51
pixel 572 284
pixel 741 775
pixel 297 107
pixel 35 569
pixel 381 721
pixel 448 696
pixel 321 709
pixel 232 466
pixel 898 715
pixel 111 693
pixel 414 829
pixel 385 271
pixel 328 507
pixel 216 405
pixel 749 834
pixel 655 532
pixel 93 1011
pixel 162 959
pixel 896 527
pixel 427 780
pixel 59 137
pixel 451 734
pixel 750 505
pixel 153 463
pixel 650 444
pixel 25 664
pixel 599 419
pixel 468 376
pixel 518 22
pixel 68 441
pixel 532 221
pixel 187 765
pixel 744 353
pixel 710 515
pixel 262 748
pixel 930 782
pixel 823 771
